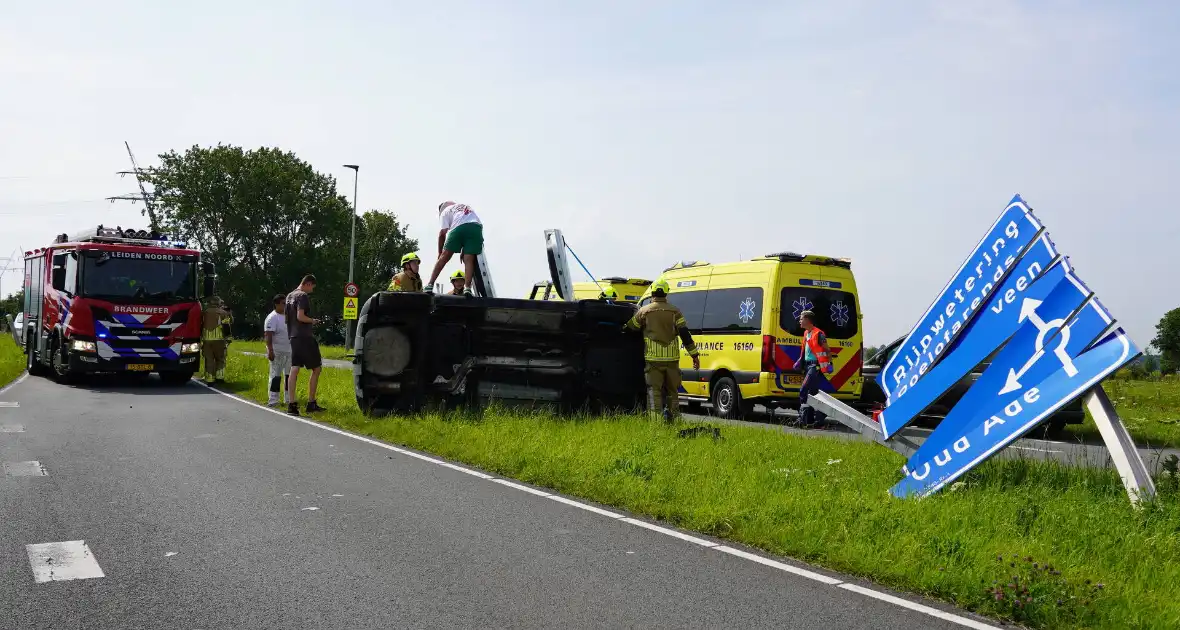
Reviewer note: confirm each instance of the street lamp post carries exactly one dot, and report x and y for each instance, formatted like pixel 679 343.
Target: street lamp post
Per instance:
pixel 356 173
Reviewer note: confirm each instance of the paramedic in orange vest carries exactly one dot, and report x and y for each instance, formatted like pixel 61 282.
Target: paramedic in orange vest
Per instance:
pixel 814 362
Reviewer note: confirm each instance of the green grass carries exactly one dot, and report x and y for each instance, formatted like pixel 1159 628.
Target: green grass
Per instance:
pixel 12 360
pixel 1065 534
pixel 326 352
pixel 1149 408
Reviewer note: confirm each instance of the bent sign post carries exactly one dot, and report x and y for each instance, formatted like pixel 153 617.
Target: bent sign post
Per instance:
pixel 1015 297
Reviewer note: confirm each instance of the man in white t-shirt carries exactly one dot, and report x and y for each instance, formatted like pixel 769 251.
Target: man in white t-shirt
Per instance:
pixel 278 350
pixel 461 233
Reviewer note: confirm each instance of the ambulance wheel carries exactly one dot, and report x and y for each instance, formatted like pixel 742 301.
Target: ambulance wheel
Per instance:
pixel 727 400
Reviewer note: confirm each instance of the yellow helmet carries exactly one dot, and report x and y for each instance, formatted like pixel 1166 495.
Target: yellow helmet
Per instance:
pixel 609 293
pixel 458 275
pixel 410 257
pixel 660 286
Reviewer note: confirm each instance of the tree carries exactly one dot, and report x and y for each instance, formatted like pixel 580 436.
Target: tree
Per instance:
pixel 13 304
pixel 380 244
pixel 265 218
pixel 1167 340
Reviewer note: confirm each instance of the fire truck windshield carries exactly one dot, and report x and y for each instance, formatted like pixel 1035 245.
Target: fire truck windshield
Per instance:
pixel 112 278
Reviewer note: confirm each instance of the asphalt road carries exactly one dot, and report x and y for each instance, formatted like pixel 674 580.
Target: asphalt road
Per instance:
pixel 184 508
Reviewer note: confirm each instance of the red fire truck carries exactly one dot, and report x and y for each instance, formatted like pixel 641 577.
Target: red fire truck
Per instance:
pixel 114 300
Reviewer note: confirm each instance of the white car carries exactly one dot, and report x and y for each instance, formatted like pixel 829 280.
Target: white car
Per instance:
pixel 18 327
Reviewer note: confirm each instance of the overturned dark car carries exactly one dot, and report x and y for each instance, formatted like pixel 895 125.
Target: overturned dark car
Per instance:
pixel 417 350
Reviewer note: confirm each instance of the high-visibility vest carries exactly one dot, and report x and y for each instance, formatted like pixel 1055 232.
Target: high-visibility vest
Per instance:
pixel 811 340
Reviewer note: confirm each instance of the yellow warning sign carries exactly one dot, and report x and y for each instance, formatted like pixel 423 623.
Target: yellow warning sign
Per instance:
pixel 349 308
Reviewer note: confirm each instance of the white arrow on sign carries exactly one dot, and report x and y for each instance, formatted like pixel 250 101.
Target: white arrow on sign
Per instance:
pixel 1028 310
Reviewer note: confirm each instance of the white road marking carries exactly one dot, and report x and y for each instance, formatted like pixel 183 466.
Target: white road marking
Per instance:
pixel 781 566
pixel 18 381
pixel 60 561
pixel 926 610
pixel 309 509
pixel 169 554
pixel 786 568
pixel 25 469
pixel 12 428
pixel 9 405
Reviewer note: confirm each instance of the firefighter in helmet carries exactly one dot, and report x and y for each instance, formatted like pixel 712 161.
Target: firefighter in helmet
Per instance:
pixel 608 295
pixel 664 328
pixel 407 279
pixel 215 321
pixel 457 283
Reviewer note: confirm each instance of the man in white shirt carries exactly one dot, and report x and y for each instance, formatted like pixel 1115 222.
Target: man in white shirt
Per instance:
pixel 278 350
pixel 461 232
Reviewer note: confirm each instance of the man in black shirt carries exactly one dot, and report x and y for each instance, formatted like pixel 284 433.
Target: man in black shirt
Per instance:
pixel 305 350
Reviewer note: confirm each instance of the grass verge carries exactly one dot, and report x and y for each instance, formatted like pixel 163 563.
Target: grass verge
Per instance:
pixel 12 360
pixel 1047 545
pixel 259 347
pixel 1149 408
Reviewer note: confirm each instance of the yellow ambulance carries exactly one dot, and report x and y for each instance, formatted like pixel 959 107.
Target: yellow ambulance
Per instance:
pixel 744 317
pixel 629 290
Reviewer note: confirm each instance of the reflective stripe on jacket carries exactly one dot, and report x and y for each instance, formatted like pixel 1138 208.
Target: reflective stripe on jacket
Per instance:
pixel 663 327
pixel 811 341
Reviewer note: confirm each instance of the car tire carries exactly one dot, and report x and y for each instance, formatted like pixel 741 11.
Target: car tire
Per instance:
pixel 727 400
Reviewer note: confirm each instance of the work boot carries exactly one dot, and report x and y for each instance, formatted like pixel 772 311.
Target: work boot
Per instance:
pixel 293 409
pixel 313 406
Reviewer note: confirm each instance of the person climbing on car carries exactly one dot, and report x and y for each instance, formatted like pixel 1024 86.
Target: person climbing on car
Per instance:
pixel 407 279
pixel 456 283
pixel 664 328
pixel 461 233
pixel 814 361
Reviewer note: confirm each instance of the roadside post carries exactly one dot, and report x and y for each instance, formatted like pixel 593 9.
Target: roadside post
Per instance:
pixel 1017 299
pixel 351 293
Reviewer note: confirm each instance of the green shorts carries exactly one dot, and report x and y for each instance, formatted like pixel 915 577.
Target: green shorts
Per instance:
pixel 466 238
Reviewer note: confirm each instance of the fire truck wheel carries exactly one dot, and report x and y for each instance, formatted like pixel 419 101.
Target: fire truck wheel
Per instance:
pixel 60 361
pixel 34 366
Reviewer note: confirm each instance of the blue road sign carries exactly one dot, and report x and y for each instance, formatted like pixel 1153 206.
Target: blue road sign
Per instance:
pixel 1034 277
pixel 1043 331
pixel 1015 413
pixel 969 289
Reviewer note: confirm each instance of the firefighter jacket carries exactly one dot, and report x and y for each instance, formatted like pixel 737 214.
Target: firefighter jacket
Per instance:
pixel 664 328
pixel 405 281
pixel 213 318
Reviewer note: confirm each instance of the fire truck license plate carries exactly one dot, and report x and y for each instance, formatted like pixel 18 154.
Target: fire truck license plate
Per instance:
pixel 139 367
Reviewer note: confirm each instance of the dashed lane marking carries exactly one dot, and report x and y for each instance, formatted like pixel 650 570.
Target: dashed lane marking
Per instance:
pixel 9 405
pixel 12 428
pixel 775 564
pixel 60 561
pixel 24 469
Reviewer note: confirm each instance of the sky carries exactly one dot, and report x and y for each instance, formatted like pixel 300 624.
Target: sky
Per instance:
pixel 892 133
